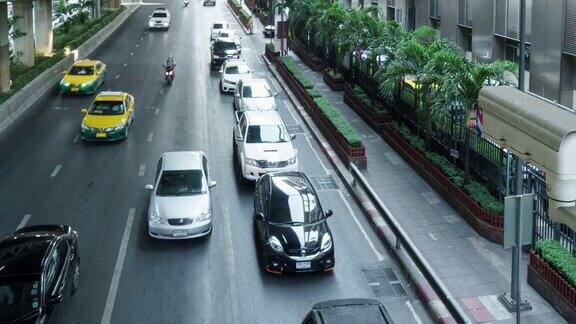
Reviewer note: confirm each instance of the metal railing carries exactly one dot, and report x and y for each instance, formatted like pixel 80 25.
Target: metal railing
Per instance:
pixel 439 288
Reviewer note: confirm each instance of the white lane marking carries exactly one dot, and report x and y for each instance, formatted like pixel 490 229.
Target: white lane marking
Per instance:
pixel 287 105
pixel 111 299
pixel 142 169
pixel 231 265
pixel 56 170
pixel 131 53
pixel 24 221
pixel 141 38
pixel 161 91
pixel 416 318
pixel 137 45
pixel 76 138
pixel 150 137
pixel 274 83
pixel 157 111
pixel 117 76
pixel 317 156
pixel 432 236
pixel 378 255
pixel 125 64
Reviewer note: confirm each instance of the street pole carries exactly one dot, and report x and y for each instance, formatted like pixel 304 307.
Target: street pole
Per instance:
pixel 283 27
pixel 522 31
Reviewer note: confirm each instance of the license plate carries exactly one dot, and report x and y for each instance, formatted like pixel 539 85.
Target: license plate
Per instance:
pixel 303 265
pixel 179 233
pixel 100 135
pixel 75 89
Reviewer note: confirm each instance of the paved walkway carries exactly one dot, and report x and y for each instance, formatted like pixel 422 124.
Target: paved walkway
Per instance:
pixel 474 269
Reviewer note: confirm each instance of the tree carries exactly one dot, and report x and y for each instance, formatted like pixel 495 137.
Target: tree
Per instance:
pixel 330 21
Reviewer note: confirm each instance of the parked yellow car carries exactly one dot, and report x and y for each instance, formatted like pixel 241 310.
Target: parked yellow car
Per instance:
pixel 84 77
pixel 109 117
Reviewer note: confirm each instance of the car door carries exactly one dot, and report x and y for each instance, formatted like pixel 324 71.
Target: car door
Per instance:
pixel 263 203
pixel 239 134
pixel 237 95
pixel 58 281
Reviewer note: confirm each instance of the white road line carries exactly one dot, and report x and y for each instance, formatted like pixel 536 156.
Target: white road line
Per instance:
pixel 416 317
pixel 432 236
pixel 161 91
pixel 137 45
pixel 378 255
pixel 111 299
pixel 287 104
pixel 274 83
pixel 150 137
pixel 142 169
pixel 76 138
pixel 131 53
pixel 125 64
pixel 117 76
pixel 24 221
pixel 231 266
pixel 56 170
pixel 317 156
pixel 157 111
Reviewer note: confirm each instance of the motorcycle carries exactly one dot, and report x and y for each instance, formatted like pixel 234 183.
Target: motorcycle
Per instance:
pixel 169 74
pixel 186 3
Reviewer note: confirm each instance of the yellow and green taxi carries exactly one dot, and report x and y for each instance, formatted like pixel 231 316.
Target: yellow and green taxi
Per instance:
pixel 85 76
pixel 109 117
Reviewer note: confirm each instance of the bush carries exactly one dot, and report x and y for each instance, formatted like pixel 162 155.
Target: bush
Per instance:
pixel 341 124
pixel 271 47
pixel 559 258
pixel 295 71
pixel 313 93
pixel 334 74
pixel 361 94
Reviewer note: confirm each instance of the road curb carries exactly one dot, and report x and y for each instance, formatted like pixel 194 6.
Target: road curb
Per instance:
pixel 424 291
pixel 246 31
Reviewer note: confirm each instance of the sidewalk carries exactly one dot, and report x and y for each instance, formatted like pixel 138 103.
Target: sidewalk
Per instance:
pixel 475 270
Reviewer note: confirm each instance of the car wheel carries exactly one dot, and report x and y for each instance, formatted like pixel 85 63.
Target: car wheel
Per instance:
pixel 76 276
pixel 221 88
pixel 126 132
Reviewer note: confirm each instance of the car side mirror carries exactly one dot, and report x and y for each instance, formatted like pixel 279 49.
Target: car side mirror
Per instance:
pixel 328 213
pixel 84 110
pixel 212 183
pixel 149 16
pixel 149 187
pixel 292 136
pixel 238 115
pixel 56 299
pixel 260 216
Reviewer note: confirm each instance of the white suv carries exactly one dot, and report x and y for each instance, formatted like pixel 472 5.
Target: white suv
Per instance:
pixel 159 19
pixel 233 71
pixel 262 144
pixel 254 94
pixel 217 27
pixel 231 36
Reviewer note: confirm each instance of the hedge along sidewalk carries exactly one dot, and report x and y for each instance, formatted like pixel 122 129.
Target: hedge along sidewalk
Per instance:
pixel 241 11
pixel 27 96
pixel 475 270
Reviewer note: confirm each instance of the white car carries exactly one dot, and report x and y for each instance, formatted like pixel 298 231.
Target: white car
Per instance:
pixel 231 35
pixel 262 144
pixel 233 71
pixel 159 19
pixel 180 204
pixel 254 94
pixel 217 27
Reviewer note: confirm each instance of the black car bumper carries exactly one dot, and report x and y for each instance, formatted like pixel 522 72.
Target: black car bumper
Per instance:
pixel 279 263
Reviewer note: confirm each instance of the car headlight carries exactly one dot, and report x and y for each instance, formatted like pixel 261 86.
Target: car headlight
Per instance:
pixel 274 244
pixel 215 56
pixel 251 162
pixel 292 160
pixel 118 127
pixel 156 218
pixel 203 217
pixel 326 242
pixel 84 127
pixel 66 84
pixel 229 82
pixel 87 84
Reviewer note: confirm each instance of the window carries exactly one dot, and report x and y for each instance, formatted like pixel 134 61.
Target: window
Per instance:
pixel 81 70
pixel 158 168
pixel 107 108
pixel 256 91
pixel 266 134
pixel 181 183
pixel 205 166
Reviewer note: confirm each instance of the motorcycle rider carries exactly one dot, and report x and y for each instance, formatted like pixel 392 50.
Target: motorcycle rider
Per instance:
pixel 185 3
pixel 169 67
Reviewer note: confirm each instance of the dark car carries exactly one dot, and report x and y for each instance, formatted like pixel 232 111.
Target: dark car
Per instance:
pixel 221 51
pixel 39 270
pixel 344 311
pixel 209 3
pixel 291 231
pixel 269 31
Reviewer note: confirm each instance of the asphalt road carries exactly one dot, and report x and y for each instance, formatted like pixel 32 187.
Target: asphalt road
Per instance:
pixel 49 176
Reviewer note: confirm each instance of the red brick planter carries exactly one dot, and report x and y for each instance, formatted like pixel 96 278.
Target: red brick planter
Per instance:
pixel 263 18
pixel 552 286
pixel 487 224
pixel 271 55
pixel 332 83
pixel 370 117
pixel 347 153
pixel 314 63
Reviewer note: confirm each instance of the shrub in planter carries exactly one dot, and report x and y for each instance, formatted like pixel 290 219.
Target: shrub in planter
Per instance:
pixel 361 94
pixel 559 258
pixel 334 75
pixel 313 93
pixel 342 126
pixel 295 71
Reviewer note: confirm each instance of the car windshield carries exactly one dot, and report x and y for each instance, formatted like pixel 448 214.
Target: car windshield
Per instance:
pixel 237 69
pixel 159 15
pixel 181 183
pixel 289 204
pixel 81 70
pixel 218 26
pixel 223 34
pixel 18 296
pixel 266 134
pixel 107 108
pixel 224 46
pixel 256 91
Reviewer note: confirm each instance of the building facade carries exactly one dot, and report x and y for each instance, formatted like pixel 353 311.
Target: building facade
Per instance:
pixel 488 30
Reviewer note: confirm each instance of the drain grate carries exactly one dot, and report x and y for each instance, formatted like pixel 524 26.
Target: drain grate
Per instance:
pixel 295 129
pixel 384 282
pixel 323 182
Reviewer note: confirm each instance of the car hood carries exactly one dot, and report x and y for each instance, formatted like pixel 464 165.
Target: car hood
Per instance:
pixel 162 19
pixel 237 77
pixel 295 238
pixel 78 79
pixel 181 207
pixel 271 152
pixel 103 121
pixel 261 104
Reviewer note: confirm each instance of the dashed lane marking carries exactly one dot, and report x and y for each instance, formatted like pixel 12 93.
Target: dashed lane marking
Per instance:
pixel 137 45
pixel 232 288
pixel 56 170
pixel 116 77
pixel 317 156
pixel 111 299
pixel 142 169
pixel 125 64
pixel 157 111
pixel 24 221
pixel 433 237
pixel 131 53
pixel 161 91
pixel 150 137
pixel 76 138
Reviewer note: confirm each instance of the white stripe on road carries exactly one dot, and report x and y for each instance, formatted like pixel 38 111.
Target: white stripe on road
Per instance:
pixel 287 105
pixel 274 83
pixel 317 156
pixel 432 236
pixel 378 255
pixel 111 299
pixel 76 138
pixel 131 53
pixel 150 137
pixel 157 111
pixel 416 318
pixel 125 64
pixel 24 221
pixel 231 266
pixel 56 170
pixel 117 76
pixel 142 169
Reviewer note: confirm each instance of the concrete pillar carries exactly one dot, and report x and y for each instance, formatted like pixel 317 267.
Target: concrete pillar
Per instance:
pixel 43 25
pixel 4 54
pixel 24 44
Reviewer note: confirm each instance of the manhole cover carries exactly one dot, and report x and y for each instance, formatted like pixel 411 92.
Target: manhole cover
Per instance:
pixel 384 282
pixel 295 129
pixel 323 182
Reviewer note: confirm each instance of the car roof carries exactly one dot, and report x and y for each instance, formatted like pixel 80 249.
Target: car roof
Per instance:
pixel 255 81
pixel 183 160
pixel 291 183
pixel 235 62
pixel 270 117
pixel 86 62
pixel 223 23
pixel 357 310
pixel 225 40
pixel 110 95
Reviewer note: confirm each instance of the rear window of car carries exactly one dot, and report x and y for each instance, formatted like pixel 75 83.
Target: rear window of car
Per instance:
pixel 81 70
pixel 107 108
pixel 159 15
pixel 218 26
pixel 238 69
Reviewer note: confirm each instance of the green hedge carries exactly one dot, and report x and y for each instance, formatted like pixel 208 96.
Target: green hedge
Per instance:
pixel 559 258
pixel 360 94
pixel 341 124
pixel 478 192
pixel 295 71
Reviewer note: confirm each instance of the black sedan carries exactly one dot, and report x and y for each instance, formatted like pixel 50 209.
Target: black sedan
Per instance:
pixel 39 270
pixel 291 231
pixel 269 31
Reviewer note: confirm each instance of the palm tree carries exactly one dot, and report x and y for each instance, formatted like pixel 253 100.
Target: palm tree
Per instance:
pixel 460 81
pixel 329 22
pixel 299 14
pixel 316 10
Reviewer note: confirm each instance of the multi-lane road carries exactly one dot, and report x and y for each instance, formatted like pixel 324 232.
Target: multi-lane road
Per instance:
pixel 49 176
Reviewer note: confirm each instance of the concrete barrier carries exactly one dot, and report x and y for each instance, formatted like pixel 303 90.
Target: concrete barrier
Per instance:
pixel 26 97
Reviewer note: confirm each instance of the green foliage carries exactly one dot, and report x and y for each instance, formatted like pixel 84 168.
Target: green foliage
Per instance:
pixel 295 71
pixel 360 94
pixel 334 74
pixel 271 47
pixel 341 124
pixel 559 258
pixel 313 93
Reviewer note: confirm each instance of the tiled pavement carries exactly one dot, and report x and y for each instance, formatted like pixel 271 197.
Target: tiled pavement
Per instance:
pixel 474 269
